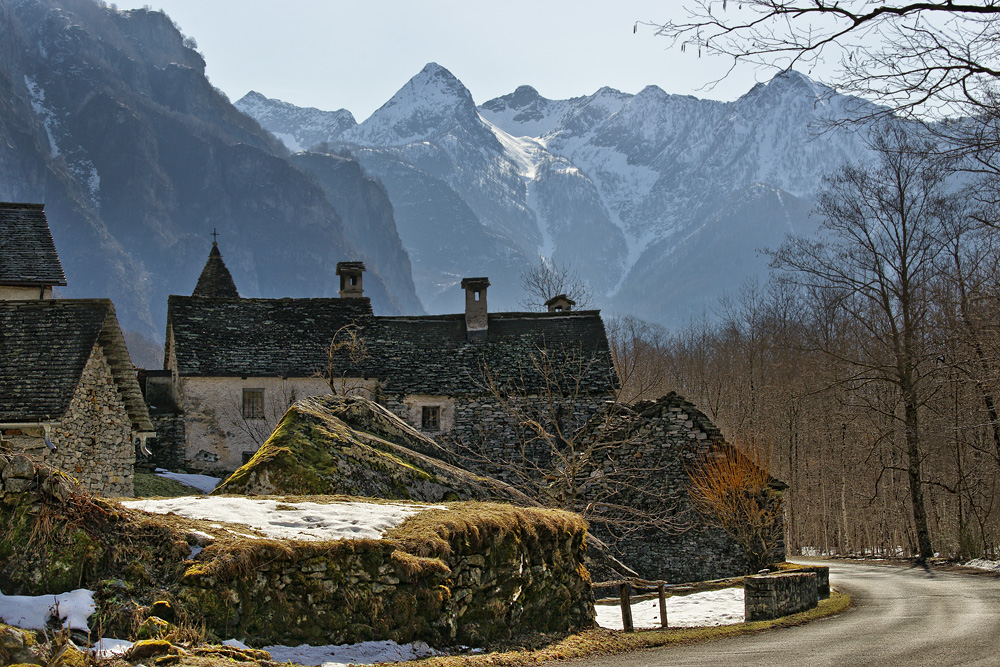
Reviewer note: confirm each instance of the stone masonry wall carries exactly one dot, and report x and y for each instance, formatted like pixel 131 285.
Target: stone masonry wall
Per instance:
pixel 93 441
pixel 657 448
pixel 480 432
pixel 775 595
pixel 528 579
pixel 660 441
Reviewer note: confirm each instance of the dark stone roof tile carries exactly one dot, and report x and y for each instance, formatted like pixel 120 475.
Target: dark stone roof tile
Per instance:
pixel 44 346
pixel 27 252
pixel 257 337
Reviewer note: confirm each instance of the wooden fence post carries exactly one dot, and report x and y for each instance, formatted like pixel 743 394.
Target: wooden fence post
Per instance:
pixel 661 589
pixel 626 608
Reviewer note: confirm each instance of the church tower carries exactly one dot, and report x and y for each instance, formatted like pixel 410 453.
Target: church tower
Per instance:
pixel 215 280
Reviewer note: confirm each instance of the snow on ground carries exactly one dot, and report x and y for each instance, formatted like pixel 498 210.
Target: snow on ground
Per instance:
pixel 365 653
pixel 722 607
pixel 108 648
pixel 203 483
pixel 32 612
pixel 983 564
pixel 289 521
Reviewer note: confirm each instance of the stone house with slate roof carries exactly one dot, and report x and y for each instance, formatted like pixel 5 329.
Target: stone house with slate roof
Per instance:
pixel 68 390
pixel 234 364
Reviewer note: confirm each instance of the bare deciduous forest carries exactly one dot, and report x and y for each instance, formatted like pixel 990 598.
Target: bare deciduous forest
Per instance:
pixel 867 367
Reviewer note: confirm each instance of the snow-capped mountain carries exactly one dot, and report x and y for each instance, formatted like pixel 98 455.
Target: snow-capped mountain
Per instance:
pixel 659 201
pixel 108 119
pixel 310 126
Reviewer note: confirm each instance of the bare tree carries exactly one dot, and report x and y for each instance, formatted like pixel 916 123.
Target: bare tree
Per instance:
pixel 568 449
pixel 731 487
pixel 882 237
pixel 928 58
pixel 346 352
pixel 258 423
pixel 550 279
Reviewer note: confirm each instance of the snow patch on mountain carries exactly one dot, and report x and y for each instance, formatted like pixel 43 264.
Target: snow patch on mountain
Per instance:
pixel 298 128
pixel 43 112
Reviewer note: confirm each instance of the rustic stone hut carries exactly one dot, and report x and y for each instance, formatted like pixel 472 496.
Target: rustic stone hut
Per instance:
pixel 666 438
pixel 68 391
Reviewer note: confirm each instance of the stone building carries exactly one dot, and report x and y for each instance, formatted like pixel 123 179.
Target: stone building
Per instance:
pixel 233 365
pixel 68 390
pixel 668 437
pixel 474 381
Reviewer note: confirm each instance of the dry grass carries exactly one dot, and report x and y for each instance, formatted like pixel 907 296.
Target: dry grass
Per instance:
pixel 612 642
pixel 429 534
pixel 591 643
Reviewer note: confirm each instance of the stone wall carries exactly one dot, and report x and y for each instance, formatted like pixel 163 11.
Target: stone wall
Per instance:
pixel 168 447
pixel 216 435
pixel 822 573
pixel 93 440
pixel 480 432
pixel 775 595
pixel 661 441
pixel 485 585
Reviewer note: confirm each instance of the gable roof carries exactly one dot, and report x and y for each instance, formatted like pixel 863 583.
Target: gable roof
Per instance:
pixel 44 346
pixel 215 279
pixel 412 355
pixel 256 337
pixel 432 354
pixel 27 252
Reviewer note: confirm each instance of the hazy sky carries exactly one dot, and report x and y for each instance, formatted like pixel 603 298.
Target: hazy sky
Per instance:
pixel 332 54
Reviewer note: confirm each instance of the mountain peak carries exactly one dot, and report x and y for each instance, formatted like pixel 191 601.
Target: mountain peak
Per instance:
pixel 433 101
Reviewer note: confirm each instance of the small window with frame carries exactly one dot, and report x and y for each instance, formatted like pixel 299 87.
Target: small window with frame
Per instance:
pixel 430 418
pixel 253 403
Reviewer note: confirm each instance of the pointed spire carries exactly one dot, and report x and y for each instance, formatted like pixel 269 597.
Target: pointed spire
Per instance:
pixel 215 279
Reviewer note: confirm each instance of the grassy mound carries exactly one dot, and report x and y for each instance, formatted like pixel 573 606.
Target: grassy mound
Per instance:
pixel 329 445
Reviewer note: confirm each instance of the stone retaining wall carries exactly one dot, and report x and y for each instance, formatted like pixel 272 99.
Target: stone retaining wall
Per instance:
pixel 775 595
pixel 822 573
pixel 530 578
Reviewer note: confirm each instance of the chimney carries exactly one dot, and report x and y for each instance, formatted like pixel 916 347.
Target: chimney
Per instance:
pixel 350 279
pixel 560 303
pixel 476 318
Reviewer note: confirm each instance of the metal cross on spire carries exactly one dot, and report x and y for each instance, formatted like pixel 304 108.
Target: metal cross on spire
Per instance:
pixel 215 237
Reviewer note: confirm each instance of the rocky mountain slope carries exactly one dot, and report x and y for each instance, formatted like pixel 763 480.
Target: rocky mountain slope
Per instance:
pixel 659 201
pixel 107 117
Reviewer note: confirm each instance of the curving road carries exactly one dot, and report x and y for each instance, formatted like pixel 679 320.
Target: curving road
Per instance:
pixel 900 616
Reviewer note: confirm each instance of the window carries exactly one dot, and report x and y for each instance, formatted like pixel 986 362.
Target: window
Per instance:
pixel 253 403
pixel 431 418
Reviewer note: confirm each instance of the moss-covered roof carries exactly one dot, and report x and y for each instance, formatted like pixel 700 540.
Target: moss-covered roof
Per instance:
pixel 328 445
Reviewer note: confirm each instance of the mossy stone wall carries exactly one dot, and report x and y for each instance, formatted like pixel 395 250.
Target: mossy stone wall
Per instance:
pixel 530 578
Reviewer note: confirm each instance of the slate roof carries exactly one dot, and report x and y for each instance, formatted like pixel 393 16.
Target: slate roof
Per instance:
pixel 412 355
pixel 215 279
pixel 256 337
pixel 44 346
pixel 27 252
pixel 431 355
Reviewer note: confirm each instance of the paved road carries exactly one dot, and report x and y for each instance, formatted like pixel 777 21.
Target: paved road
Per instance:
pixel 900 617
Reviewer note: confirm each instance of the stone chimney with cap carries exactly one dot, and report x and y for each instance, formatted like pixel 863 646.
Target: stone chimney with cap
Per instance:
pixel 560 303
pixel 476 317
pixel 350 279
